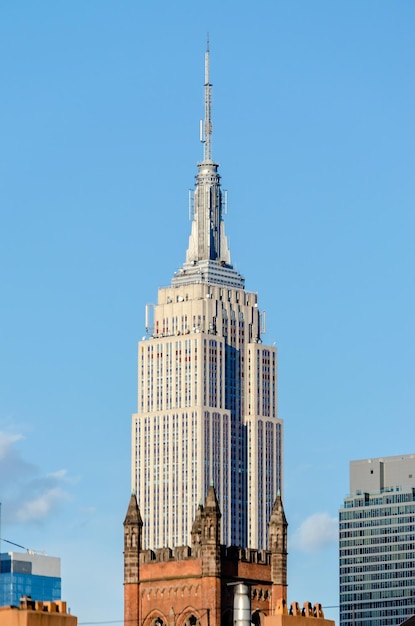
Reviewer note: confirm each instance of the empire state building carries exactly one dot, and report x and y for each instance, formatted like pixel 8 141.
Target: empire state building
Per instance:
pixel 207 389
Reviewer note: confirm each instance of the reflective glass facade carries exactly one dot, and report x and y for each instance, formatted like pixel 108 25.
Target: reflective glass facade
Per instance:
pixel 29 575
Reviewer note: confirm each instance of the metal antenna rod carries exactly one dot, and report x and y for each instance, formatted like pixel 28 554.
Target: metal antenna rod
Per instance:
pixel 208 108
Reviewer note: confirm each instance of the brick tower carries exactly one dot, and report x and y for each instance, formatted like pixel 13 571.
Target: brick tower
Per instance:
pixel 193 585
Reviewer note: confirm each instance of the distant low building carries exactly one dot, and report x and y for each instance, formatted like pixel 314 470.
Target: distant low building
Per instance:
pixel 31 613
pixel 26 574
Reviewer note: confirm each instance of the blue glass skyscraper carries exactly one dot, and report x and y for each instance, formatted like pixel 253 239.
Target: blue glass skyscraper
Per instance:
pixel 27 574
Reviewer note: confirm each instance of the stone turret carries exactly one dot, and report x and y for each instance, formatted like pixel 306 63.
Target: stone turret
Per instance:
pixel 210 538
pixel 133 530
pixel 133 527
pixel 277 542
pixel 197 532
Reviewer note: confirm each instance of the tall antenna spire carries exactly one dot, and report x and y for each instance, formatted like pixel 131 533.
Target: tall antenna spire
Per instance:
pixel 207 140
pixel 208 258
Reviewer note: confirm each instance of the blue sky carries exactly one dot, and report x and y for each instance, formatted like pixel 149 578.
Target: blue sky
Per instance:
pixel 314 132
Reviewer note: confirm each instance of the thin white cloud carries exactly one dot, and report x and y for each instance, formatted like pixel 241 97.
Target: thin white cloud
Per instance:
pixel 27 495
pixel 42 506
pixel 6 442
pixel 88 510
pixel 86 515
pixel 60 474
pixel 316 532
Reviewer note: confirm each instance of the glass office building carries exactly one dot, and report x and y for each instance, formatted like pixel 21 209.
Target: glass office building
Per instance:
pixel 377 543
pixel 25 574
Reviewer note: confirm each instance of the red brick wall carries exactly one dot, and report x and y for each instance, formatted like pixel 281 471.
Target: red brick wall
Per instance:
pixel 173 590
pixel 131 605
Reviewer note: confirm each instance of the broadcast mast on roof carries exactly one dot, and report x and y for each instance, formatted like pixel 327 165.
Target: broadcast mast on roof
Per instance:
pixel 208 257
